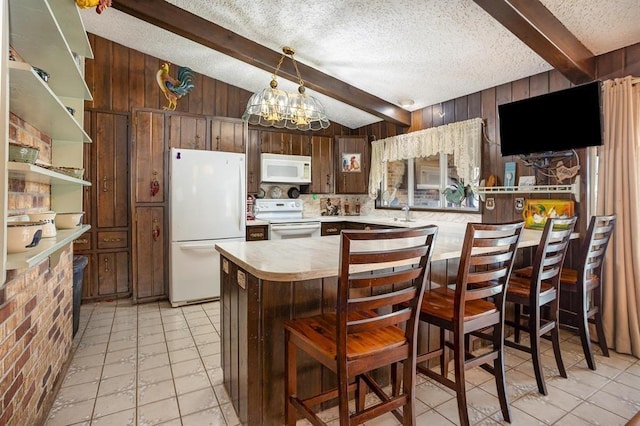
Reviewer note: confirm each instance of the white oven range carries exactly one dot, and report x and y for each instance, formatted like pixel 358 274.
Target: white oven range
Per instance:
pixel 285 219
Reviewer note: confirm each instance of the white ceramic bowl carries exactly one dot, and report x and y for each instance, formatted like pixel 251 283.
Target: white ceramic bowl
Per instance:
pixel 68 220
pixel 49 227
pixel 21 236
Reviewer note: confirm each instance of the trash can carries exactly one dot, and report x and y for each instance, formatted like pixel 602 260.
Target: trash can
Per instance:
pixel 79 263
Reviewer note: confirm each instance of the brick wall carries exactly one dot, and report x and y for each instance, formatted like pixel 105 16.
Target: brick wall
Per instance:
pixel 36 308
pixel 36 325
pixel 28 197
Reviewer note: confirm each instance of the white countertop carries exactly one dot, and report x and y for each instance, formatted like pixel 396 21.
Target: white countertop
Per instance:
pixel 312 258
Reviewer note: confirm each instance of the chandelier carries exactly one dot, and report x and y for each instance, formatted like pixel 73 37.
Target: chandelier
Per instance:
pixel 273 107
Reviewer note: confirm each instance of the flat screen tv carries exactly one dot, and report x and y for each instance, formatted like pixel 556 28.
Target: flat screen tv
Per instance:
pixel 553 122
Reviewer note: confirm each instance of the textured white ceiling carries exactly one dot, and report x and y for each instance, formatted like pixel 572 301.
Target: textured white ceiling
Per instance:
pixel 428 51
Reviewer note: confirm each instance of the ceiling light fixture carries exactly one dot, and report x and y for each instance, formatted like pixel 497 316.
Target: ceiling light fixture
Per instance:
pixel 273 107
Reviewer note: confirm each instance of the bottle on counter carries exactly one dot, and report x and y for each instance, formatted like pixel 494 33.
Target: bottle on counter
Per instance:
pixel 250 210
pixel 357 206
pixel 346 208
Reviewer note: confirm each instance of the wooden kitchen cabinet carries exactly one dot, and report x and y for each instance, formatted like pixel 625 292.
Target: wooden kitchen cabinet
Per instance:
pixel 107 208
pixel 330 228
pixel 148 169
pixel 253 161
pixel 352 182
pixel 322 170
pixel 257 233
pixel 285 143
pixel 149 256
pixel 187 131
pixel 228 134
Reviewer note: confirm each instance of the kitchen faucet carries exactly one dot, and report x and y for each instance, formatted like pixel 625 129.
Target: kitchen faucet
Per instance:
pixel 405 209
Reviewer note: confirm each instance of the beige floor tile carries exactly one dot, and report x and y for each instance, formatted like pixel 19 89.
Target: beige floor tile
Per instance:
pixel 152 349
pixel 432 418
pixel 432 394
pixel 154 375
pixel 151 339
pixel 203 329
pixel 539 407
pixel 203 339
pixel 199 400
pixel 121 418
pixel 70 414
pixel 629 379
pixel 625 401
pixel 596 415
pixel 120 345
pixel 87 361
pixel 212 361
pixel 185 368
pixel 193 382
pixel 155 392
pixel 119 369
pixel 77 376
pixel 184 354
pixel 209 349
pixel 117 384
pixel 122 355
pixel 115 402
pixel 182 343
pixel 210 417
pixel 153 361
pixel 177 334
pixel 158 412
pixel 76 393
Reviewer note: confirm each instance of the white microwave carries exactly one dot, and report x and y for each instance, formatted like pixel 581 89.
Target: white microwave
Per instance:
pixel 285 168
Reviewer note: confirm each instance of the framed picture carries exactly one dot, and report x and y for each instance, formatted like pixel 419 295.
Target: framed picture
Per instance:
pixel 509 173
pixel 351 162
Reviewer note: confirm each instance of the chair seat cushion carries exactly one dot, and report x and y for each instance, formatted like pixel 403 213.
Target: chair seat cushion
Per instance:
pixel 568 278
pixel 439 302
pixel 521 287
pixel 320 332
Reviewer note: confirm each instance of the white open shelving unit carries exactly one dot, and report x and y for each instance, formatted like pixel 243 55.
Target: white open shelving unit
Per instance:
pixel 571 188
pixel 49 34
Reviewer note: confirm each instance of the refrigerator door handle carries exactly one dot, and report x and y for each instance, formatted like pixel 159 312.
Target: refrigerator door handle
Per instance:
pixel 198 246
pixel 242 199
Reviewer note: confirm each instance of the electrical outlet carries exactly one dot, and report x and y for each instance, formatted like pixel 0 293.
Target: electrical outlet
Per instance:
pixel 519 204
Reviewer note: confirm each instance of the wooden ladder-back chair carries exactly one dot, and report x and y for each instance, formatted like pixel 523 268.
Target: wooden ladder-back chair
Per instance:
pixel 586 283
pixel 539 293
pixel 487 258
pixel 379 270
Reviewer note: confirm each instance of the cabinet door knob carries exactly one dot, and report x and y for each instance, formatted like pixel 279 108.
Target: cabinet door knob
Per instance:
pixel 104 184
pixel 217 143
pixel 196 143
pixel 155 185
pixel 111 240
pixel 155 233
pixel 106 264
pixel 328 179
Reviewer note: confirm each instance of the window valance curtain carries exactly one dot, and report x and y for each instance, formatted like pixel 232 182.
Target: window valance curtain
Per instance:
pixel 462 139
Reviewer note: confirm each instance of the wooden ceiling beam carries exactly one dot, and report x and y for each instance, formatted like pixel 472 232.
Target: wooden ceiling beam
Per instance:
pixel 534 24
pixel 179 21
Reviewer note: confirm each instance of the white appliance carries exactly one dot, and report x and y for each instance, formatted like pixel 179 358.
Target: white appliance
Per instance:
pixel 285 168
pixel 207 206
pixel 285 219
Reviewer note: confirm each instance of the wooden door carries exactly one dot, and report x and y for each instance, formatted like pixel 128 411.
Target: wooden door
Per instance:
pixel 111 145
pixel 113 273
pixel 187 131
pixel 322 173
pixel 228 134
pixel 148 157
pixel 353 181
pixel 149 253
pixel 253 162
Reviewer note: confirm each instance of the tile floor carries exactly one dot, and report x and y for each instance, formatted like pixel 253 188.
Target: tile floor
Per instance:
pixel 152 364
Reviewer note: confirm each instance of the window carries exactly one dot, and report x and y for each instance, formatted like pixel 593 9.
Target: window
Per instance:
pixel 435 168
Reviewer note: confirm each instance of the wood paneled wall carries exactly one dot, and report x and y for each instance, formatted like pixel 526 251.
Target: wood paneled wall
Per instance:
pixel 122 79
pixel 484 104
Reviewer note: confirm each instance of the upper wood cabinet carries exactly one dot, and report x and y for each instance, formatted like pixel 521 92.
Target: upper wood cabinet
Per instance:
pixel 322 171
pixel 148 169
pixel 352 182
pixel 228 134
pixel 285 143
pixel 187 131
pixel 253 162
pixel 111 179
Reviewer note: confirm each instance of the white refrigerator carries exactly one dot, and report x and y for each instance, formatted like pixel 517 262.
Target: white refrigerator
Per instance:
pixel 207 206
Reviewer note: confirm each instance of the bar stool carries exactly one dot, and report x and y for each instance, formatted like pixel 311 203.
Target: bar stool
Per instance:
pixel 379 270
pixel 466 310
pixel 585 282
pixel 541 291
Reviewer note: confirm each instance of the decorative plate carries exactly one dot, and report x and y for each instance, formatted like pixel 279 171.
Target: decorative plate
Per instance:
pixel 275 192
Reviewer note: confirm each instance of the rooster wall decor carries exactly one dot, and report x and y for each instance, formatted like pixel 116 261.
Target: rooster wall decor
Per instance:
pixel 100 5
pixel 172 88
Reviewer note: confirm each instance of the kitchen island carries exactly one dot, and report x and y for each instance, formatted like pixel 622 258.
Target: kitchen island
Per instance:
pixel 267 282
